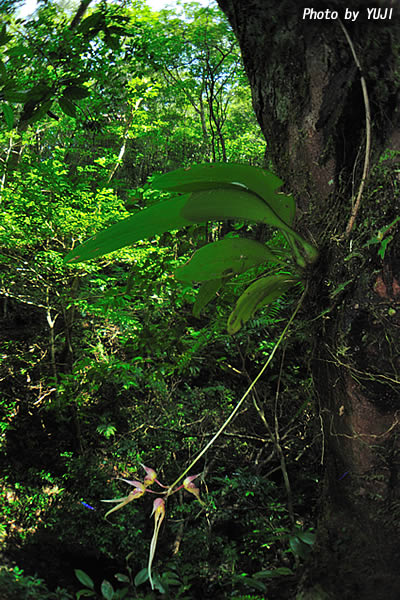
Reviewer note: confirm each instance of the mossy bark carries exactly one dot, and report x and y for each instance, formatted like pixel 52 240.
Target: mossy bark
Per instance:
pixel 308 98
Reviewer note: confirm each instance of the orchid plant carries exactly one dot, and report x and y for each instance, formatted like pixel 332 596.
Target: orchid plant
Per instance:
pixel 140 488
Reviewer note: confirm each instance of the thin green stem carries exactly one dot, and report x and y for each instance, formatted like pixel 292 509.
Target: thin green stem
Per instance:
pixel 243 398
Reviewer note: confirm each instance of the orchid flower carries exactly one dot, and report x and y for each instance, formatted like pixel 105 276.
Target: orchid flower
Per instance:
pixel 140 489
pixel 189 486
pixel 151 477
pixel 159 514
pixel 136 493
pixel 158 505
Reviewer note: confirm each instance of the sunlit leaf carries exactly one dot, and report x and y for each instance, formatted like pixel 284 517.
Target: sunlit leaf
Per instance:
pixel 216 175
pixel 145 224
pixel 234 203
pixel 224 258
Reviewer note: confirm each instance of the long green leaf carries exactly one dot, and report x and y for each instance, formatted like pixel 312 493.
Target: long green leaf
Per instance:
pixel 212 176
pixel 258 294
pixel 223 259
pixel 145 224
pixel 206 293
pixel 235 203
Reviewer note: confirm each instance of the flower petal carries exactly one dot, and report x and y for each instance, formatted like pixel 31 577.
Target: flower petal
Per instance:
pixel 159 514
pixel 136 493
pixel 151 475
pixel 190 487
pixel 136 484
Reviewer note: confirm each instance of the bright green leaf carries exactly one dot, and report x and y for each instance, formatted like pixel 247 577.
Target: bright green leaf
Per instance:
pixel 223 259
pixel 225 185
pixel 258 294
pixel 233 203
pixel 145 224
pixel 212 176
pixel 229 203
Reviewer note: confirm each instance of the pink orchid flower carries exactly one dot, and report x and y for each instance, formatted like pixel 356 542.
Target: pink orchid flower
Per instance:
pixel 189 486
pixel 151 477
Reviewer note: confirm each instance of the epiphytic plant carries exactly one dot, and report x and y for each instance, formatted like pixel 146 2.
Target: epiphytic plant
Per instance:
pixel 217 192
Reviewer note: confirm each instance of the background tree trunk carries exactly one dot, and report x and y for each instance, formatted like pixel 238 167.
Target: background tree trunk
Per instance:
pixel 308 98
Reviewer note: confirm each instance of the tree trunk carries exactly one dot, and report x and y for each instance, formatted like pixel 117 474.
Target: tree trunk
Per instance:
pixel 309 100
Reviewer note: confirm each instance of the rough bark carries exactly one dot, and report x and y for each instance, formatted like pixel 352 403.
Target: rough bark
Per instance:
pixel 308 98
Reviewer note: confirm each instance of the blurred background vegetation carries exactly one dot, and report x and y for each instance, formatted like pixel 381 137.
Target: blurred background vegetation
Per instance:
pixel 102 365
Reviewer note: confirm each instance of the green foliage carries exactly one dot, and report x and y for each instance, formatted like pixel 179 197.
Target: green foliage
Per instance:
pixel 216 194
pixel 102 364
pixel 14 585
pixel 261 292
